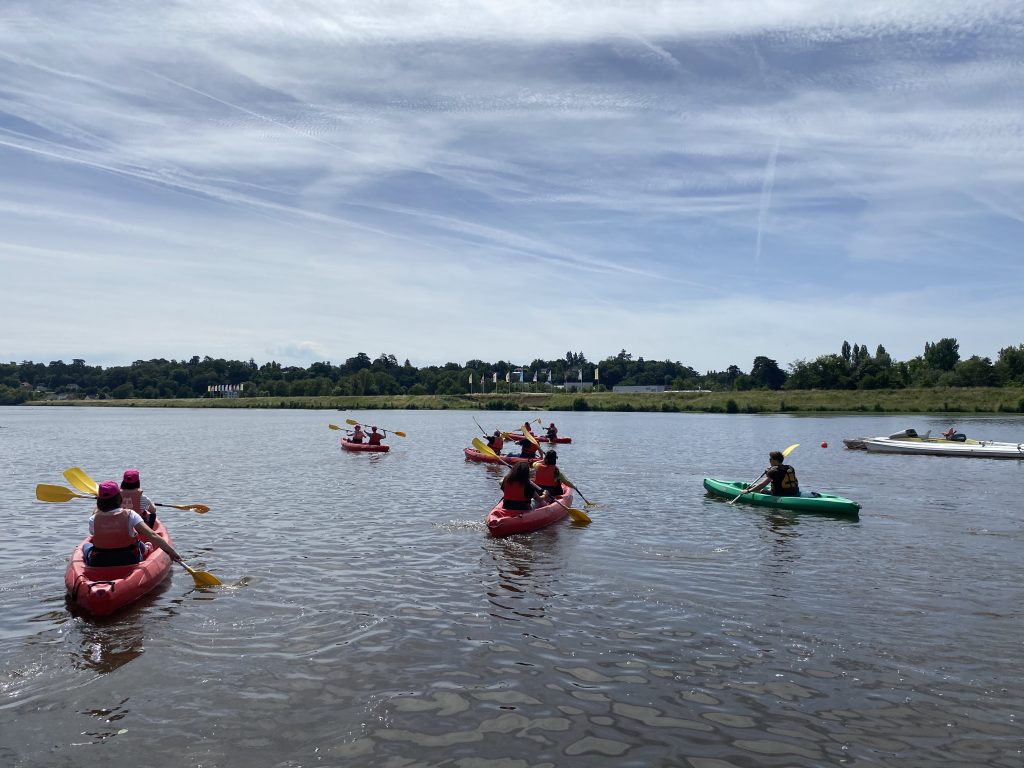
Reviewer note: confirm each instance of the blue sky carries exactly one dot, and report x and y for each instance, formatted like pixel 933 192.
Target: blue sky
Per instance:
pixel 695 181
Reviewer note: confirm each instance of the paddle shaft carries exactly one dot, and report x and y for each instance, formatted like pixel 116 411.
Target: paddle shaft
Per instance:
pixel 355 423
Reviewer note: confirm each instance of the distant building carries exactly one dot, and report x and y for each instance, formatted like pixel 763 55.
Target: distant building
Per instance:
pixel 226 390
pixel 640 388
pixel 576 386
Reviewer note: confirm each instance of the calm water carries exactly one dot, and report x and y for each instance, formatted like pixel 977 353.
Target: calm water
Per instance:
pixel 370 621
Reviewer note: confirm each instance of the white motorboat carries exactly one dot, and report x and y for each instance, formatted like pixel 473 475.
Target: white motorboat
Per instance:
pixel 950 444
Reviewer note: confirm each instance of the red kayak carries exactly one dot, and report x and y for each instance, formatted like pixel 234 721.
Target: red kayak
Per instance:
pixel 348 445
pixel 505 522
pixel 517 436
pixel 101 591
pixel 472 454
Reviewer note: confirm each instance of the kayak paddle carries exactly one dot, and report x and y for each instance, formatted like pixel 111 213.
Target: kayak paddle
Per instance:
pixel 81 480
pixel 785 453
pixel 202 578
pixel 353 422
pixel 58 493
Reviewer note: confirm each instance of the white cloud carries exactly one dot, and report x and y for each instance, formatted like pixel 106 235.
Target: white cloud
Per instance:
pixel 459 180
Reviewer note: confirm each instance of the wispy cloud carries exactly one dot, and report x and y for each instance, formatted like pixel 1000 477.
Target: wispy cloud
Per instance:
pixel 265 175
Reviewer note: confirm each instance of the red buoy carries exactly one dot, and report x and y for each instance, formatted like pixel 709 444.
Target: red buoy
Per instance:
pixel 824 444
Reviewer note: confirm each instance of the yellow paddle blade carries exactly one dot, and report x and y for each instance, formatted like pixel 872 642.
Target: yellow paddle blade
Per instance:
pixel 353 422
pixel 789 450
pixel 335 426
pixel 400 434
pixel 578 515
pixel 57 493
pixel 202 509
pixel 481 446
pixel 80 480
pixel 202 578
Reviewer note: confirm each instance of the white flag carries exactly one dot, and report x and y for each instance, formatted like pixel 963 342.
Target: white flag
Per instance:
pixel 595 373
pixel 581 374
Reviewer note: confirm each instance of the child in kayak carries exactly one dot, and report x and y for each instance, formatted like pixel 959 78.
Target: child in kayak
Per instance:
pixel 133 497
pixel 527 449
pixel 549 477
pixel 518 490
pixel 356 435
pixel 495 442
pixel 113 529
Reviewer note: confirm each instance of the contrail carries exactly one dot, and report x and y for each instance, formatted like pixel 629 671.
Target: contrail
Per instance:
pixel 766 198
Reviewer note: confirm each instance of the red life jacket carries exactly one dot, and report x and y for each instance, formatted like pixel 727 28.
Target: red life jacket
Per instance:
pixel 110 530
pixel 375 438
pixel 514 491
pixel 547 475
pixel 132 499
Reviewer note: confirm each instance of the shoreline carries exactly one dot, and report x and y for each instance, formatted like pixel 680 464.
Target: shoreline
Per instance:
pixel 952 400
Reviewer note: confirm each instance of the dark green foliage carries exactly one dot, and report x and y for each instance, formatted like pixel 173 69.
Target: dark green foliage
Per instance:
pixel 580 404
pixel 731 406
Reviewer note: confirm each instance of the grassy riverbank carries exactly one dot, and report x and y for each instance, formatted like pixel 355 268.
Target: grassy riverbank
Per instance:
pixel 944 400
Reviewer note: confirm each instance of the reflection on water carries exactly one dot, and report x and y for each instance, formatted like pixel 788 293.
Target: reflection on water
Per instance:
pixel 379 625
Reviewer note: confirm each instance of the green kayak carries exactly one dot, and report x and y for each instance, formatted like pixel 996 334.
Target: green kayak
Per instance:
pixel 806 502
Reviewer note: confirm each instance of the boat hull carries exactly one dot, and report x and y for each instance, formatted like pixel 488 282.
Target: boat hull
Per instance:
pixel 347 445
pixel 506 522
pixel 101 591
pixel 516 436
pixel 825 503
pixel 988 449
pixel 474 455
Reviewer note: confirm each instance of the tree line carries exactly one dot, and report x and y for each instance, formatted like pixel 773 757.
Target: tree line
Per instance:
pixel 853 367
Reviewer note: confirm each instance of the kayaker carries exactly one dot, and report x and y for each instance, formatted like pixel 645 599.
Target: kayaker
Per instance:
pixel 517 489
pixel 781 476
pixel 496 442
pixel 526 428
pixel 527 449
pixel 113 528
pixel 134 498
pixel 552 431
pixel 375 437
pixel 549 477
pixel 357 434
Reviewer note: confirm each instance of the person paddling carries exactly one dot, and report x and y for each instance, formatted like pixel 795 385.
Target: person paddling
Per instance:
pixel 781 476
pixel 133 497
pixel 496 442
pixel 527 449
pixel 375 437
pixel 552 432
pixel 357 434
pixel 518 490
pixel 113 531
pixel 549 477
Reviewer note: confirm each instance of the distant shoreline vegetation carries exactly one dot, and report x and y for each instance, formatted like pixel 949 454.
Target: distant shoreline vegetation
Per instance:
pixel 946 400
pixel 852 380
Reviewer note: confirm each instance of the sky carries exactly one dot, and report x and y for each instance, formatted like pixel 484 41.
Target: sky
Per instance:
pixel 702 182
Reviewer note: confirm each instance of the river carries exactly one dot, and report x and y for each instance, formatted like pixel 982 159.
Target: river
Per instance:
pixel 367 619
